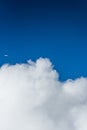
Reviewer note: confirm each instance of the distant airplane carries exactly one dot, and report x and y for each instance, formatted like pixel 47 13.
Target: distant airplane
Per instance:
pixel 6 55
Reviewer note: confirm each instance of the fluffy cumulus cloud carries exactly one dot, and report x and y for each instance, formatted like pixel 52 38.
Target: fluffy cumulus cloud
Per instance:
pixel 33 98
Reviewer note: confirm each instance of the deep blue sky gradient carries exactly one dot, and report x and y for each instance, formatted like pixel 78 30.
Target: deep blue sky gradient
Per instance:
pixel 52 28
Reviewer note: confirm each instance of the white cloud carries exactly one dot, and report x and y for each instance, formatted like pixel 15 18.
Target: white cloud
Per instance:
pixel 33 98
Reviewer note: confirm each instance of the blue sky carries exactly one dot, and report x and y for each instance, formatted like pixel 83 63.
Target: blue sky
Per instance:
pixel 54 29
